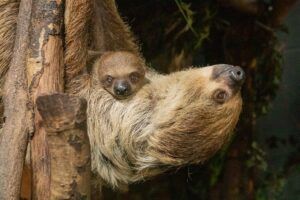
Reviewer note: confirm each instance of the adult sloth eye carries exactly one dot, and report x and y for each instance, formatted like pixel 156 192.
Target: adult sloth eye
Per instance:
pixel 220 96
pixel 134 77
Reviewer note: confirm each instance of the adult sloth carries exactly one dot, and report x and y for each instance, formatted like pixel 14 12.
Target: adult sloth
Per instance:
pixel 173 120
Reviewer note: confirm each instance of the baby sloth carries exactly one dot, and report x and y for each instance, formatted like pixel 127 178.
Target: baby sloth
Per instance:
pixel 121 73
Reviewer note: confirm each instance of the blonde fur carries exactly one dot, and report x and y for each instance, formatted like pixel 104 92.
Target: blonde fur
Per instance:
pixel 170 122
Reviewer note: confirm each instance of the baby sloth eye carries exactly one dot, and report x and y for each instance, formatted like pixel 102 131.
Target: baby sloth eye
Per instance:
pixel 220 96
pixel 134 77
pixel 109 79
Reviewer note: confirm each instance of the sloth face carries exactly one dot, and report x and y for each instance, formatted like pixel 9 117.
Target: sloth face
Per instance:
pixel 222 84
pixel 122 86
pixel 229 80
pixel 121 73
pixel 206 107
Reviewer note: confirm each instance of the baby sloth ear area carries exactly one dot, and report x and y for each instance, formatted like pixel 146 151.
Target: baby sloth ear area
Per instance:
pixel 91 54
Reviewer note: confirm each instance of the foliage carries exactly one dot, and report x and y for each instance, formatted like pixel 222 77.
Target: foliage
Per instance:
pixel 270 186
pixel 202 31
pixel 256 157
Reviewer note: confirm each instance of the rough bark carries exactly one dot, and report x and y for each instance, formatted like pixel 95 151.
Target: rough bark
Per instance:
pixel 64 119
pixel 45 70
pixel 14 137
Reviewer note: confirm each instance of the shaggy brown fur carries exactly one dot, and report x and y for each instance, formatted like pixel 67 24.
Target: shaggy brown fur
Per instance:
pixel 77 20
pixel 171 121
pixel 8 18
pixel 109 31
pixel 121 73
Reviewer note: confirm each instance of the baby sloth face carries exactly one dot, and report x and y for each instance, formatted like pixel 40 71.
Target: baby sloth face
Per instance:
pixel 121 73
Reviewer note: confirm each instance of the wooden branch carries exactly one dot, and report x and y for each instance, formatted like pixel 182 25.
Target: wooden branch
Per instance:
pixel 64 119
pixel 14 137
pixel 45 70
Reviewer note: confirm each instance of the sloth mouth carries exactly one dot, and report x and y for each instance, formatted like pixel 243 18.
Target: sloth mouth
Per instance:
pixel 121 97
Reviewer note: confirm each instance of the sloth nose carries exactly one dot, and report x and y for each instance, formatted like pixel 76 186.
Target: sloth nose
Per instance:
pixel 237 74
pixel 122 88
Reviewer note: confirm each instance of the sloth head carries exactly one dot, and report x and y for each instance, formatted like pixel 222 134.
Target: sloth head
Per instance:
pixel 223 84
pixel 121 73
pixel 195 129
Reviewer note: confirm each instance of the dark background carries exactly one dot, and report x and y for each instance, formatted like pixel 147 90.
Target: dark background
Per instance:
pixel 262 160
pixel 278 131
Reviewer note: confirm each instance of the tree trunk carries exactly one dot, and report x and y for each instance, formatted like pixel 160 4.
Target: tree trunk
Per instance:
pixel 45 70
pixel 14 137
pixel 64 119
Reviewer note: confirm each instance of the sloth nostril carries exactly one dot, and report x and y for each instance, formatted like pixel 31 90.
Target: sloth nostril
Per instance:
pixel 237 74
pixel 122 89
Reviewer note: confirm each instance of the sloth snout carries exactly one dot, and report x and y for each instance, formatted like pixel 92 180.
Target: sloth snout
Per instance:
pixel 122 88
pixel 234 75
pixel 237 74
